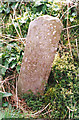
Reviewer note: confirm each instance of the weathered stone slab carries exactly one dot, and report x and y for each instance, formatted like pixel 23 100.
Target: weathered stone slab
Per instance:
pixel 41 44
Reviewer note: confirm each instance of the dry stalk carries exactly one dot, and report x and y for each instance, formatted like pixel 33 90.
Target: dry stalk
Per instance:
pixel 47 112
pixel 19 28
pixel 68 29
pixel 4 91
pixel 15 27
pixel 16 92
pixel 8 36
pixel 77 48
pixel 67 10
pixel 65 115
pixel 40 111
pixel 14 15
pixel 7 79
pixel 15 39
pixel 35 115
pixel 70 110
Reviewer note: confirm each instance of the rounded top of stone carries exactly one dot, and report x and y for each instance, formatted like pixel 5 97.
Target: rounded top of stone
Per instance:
pixel 48 17
pixel 44 18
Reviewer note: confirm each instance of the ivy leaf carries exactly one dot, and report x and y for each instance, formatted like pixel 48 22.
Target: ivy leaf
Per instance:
pixel 71 19
pixel 18 68
pixel 13 55
pixel 5 94
pixel 6 56
pixel 1 44
pixel 1 55
pixel 9 47
pixel 44 9
pixel 3 70
pixel 6 64
pixel 5 104
pixel 12 58
pixel 0 10
pixel 13 65
pixel 74 14
pixel 13 6
pixel 8 10
pixel 38 3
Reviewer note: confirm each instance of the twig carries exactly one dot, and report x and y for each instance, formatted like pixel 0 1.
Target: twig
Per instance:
pixel 16 93
pixel 4 90
pixel 7 79
pixel 14 15
pixel 67 11
pixel 77 48
pixel 20 6
pixel 65 115
pixel 8 35
pixel 16 28
pixel 19 27
pixel 14 12
pixel 70 110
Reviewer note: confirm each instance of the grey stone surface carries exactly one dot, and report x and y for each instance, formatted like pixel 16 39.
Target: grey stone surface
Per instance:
pixel 41 44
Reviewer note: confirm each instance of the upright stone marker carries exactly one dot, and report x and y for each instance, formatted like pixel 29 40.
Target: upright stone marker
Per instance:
pixel 41 44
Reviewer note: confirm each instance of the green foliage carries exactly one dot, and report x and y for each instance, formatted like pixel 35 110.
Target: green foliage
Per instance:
pixel 3 95
pixel 63 92
pixel 6 94
pixel 10 112
pixel 33 101
pixel 11 56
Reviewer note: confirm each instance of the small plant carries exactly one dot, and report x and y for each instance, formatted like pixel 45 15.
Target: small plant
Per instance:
pixel 11 57
pixel 62 91
pixel 33 101
pixel 5 95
